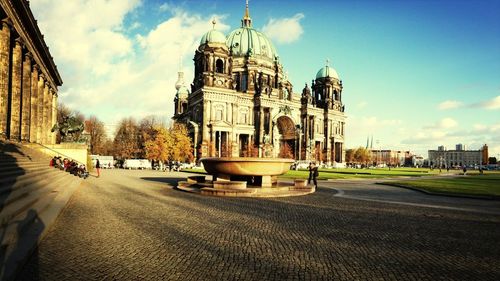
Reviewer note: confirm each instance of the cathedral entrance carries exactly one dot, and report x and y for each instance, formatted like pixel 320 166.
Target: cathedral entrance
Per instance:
pixel 287 139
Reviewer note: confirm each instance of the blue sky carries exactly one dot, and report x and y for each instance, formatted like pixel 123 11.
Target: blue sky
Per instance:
pixel 416 74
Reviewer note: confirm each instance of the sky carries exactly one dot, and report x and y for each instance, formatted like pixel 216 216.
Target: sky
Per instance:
pixel 416 74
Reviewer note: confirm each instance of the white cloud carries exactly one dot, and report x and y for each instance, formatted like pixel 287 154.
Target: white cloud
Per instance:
pixel 284 30
pixel 164 7
pixel 449 104
pixel 445 123
pixel 492 104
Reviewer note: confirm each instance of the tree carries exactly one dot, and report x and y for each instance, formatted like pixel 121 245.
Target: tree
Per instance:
pixel 95 128
pixel 492 160
pixel 159 147
pixel 148 128
pixel 182 147
pixel 126 142
pixel 361 155
pixel 349 155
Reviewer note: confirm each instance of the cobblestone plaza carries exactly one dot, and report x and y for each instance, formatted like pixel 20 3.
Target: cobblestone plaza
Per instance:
pixel 132 225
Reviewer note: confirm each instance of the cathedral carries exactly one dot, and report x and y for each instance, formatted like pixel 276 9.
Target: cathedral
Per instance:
pixel 241 103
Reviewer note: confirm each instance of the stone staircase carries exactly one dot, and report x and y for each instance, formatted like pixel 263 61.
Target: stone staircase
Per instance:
pixel 32 195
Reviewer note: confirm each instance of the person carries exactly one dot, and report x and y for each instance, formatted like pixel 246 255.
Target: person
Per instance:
pixel 465 170
pixel 313 174
pixel 98 167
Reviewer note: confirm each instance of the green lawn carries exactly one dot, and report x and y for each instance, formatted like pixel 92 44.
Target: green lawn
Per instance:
pixel 487 184
pixel 362 173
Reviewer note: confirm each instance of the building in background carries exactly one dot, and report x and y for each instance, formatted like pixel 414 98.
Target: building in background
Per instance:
pixel 28 77
pixel 241 102
pixel 385 157
pixel 458 157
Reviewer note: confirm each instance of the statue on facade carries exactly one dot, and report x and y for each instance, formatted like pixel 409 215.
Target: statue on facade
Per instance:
pixel 267 139
pixel 70 129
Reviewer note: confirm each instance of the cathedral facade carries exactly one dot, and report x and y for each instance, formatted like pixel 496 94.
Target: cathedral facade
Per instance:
pixel 241 102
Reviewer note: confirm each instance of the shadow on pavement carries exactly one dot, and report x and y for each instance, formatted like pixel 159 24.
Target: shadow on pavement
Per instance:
pixel 171 181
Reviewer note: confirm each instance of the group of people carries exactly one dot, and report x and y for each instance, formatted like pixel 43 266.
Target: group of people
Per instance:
pixel 69 166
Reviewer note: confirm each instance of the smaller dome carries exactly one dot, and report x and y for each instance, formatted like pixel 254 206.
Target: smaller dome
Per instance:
pixel 327 71
pixel 213 36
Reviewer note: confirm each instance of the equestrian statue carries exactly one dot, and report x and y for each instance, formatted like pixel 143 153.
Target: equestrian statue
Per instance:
pixel 70 129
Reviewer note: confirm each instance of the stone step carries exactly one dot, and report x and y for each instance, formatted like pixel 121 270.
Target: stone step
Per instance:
pixel 21 163
pixel 16 175
pixel 25 232
pixel 25 166
pixel 20 189
pixel 23 203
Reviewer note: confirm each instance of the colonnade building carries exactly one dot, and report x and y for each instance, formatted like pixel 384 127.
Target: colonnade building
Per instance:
pixel 28 77
pixel 458 157
pixel 241 102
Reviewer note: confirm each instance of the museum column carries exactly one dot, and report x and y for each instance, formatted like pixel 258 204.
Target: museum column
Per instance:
pixel 34 103
pixel 48 126
pixel 4 76
pixel 15 108
pixel 26 98
pixel 52 115
pixel 39 105
pixel 45 111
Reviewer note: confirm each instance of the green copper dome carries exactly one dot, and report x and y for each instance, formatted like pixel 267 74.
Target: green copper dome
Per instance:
pixel 327 71
pixel 248 41
pixel 213 36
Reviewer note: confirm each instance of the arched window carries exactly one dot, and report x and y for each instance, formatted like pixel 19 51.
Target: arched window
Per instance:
pixel 219 66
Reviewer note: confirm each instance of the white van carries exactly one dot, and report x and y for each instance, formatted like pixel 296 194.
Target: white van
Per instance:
pixel 137 164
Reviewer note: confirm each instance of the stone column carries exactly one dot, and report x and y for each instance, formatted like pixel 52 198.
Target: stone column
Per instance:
pixel 34 103
pixel 341 153
pixel 54 117
pixel 26 98
pixel 39 106
pixel 261 132
pixel 48 126
pixel 261 125
pixel 15 108
pixel 45 111
pixel 4 76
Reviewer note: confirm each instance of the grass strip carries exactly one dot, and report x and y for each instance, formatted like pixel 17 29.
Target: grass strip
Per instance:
pixel 486 185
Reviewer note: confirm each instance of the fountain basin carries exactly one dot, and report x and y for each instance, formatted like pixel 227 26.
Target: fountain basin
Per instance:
pixel 259 171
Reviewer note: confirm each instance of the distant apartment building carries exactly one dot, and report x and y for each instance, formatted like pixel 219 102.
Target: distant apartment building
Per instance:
pixel 458 157
pixel 391 157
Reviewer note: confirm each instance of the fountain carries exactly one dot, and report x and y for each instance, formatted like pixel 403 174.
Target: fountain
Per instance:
pixel 245 176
